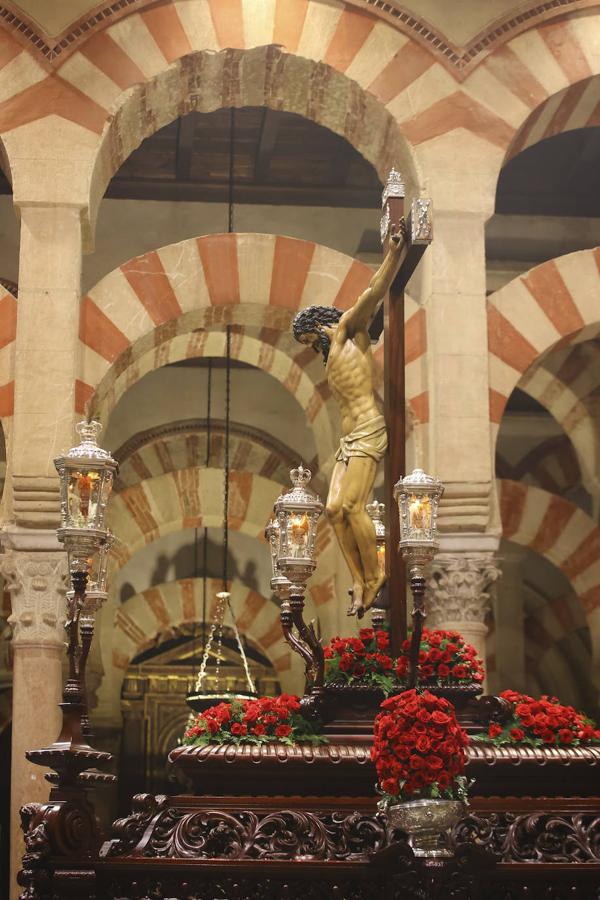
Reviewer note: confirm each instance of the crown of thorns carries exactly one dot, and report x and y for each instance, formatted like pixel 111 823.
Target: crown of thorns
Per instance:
pixel 309 319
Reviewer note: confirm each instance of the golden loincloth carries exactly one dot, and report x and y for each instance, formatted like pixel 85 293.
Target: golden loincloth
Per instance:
pixel 367 439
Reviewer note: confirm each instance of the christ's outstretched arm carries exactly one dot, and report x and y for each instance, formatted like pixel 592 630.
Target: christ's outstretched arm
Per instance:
pixel 359 316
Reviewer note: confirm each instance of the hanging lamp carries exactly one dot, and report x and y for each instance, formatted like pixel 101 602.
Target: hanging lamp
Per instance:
pixel 202 697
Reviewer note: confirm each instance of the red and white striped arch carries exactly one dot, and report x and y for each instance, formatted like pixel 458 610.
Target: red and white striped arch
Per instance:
pixel 554 304
pixel 551 465
pixel 153 307
pixel 183 445
pixel 562 533
pixel 567 384
pixel 188 498
pixel 391 92
pixel 576 106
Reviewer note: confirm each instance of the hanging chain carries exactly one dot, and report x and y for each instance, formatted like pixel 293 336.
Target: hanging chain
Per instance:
pixel 226 461
pixel 231 169
pixel 217 626
pixel 249 680
pixel 223 597
pixel 208 452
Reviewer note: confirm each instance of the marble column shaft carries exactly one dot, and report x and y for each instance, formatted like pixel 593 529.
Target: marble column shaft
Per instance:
pixel 46 355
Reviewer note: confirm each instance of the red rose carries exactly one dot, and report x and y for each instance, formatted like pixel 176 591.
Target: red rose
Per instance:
pixel 443 780
pixel 517 734
pixel 283 730
pixel 390 786
pixel 439 717
pixel 358 670
pixel 565 736
pixel 416 762
pixel 270 719
pixel 494 730
pixel 423 744
pixel 443 670
pixel 238 729
pixel 258 729
pixel 346 662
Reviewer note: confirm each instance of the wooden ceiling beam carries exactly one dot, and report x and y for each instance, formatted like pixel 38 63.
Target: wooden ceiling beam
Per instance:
pixel 276 195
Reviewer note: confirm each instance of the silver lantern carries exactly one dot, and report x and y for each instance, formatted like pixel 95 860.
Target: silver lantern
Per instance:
pixel 297 513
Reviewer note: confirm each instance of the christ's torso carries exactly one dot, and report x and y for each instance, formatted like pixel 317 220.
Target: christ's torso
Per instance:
pixel 350 377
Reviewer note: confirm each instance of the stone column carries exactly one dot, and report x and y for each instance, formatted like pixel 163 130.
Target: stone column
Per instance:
pixel 34 569
pixel 459 594
pixel 460 438
pixel 46 356
pixel 47 344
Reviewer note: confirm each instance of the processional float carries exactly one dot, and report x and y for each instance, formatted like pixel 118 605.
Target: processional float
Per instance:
pixel 275 821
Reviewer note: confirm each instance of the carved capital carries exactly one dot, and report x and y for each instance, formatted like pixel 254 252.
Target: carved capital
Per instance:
pixel 37 583
pixel 460 587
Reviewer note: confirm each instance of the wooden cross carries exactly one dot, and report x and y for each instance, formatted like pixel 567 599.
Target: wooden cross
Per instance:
pixel 390 320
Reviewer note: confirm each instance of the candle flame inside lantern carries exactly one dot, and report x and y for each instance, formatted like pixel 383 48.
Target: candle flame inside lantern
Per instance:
pixel 83 499
pixel 419 513
pixel 381 558
pixel 298 530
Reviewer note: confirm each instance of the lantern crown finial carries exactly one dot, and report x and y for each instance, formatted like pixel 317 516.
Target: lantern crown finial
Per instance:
pixel 88 447
pixel 300 476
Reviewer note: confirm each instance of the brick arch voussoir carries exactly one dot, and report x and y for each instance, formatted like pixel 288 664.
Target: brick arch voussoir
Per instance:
pixel 566 536
pixel 188 498
pixel 184 444
pixel 265 75
pixel 550 306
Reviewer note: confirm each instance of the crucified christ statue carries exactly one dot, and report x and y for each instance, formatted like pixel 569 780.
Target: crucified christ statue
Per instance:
pixel 343 339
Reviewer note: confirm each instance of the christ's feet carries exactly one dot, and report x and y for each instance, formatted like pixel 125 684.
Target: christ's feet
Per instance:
pixel 356 606
pixel 372 589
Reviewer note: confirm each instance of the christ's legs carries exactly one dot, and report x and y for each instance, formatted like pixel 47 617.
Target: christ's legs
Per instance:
pixel 357 486
pixel 344 534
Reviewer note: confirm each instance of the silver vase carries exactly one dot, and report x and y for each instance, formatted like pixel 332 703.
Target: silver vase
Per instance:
pixel 427 823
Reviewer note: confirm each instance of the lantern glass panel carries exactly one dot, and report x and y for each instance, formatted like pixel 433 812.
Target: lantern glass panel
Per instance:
pixel 418 497
pixel 299 533
pixel 86 477
pixel 272 535
pixel 420 518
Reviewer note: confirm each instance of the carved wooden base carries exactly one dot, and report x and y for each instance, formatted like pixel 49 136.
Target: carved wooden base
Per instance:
pixel 249 848
pixel 344 768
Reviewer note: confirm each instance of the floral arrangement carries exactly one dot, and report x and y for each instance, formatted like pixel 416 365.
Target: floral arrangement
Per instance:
pixel 419 749
pixel 258 721
pixel 361 660
pixel 444 657
pixel 543 722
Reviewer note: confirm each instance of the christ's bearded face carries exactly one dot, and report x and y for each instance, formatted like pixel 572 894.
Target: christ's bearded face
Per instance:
pixel 319 340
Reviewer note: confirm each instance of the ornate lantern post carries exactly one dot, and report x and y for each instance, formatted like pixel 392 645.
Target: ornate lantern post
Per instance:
pixel 294 536
pixel 86 475
pixel 418 496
